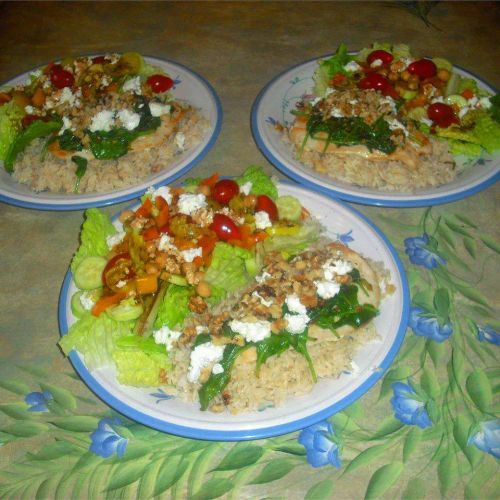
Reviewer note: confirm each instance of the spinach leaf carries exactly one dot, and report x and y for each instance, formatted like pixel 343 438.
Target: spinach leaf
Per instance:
pixel 33 131
pixel 271 346
pixel 495 108
pixel 148 122
pixel 217 381
pixel 348 131
pixel 343 309
pixel 69 141
pixel 81 168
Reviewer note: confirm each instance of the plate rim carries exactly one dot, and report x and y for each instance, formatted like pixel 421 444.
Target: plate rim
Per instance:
pixel 265 432
pixel 426 200
pixel 111 200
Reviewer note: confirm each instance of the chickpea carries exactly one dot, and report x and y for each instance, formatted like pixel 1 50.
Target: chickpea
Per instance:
pixel 204 189
pixel 250 201
pixel 125 215
pixel 443 74
pixel 392 76
pixel 203 289
pixel 413 85
pixel 405 75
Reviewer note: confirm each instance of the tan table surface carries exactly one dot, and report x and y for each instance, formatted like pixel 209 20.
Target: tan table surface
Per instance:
pixel 238 47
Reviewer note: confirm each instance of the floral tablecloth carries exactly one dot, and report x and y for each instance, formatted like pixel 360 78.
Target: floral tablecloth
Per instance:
pixel 429 428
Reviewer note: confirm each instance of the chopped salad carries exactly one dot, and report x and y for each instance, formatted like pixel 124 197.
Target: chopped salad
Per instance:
pixel 418 99
pixel 86 108
pixel 143 281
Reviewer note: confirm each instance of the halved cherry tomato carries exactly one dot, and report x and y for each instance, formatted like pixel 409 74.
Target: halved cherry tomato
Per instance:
pixel 382 55
pixel 118 268
pixel 145 209
pixel 442 114
pixel 160 83
pixel 105 302
pixel 267 205
pixel 225 190
pixel 99 60
pixel 373 81
pixel 162 218
pixel 60 77
pixel 423 68
pixel 4 97
pixel 210 181
pixel 151 233
pixel 225 228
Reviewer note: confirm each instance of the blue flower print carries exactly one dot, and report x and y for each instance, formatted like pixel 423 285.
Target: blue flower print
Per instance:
pixel 487 334
pixel 345 238
pixel 407 409
pixel 106 441
pixel 320 448
pixel 425 326
pixel 421 254
pixel 38 401
pixel 487 438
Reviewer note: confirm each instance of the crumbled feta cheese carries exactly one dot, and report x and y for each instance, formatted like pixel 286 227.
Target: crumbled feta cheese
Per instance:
pixel 166 336
pixel 390 101
pixel 473 101
pixel 263 277
pixel 337 267
pixel 217 368
pixel 327 289
pixel 263 301
pixel 129 119
pixel 29 109
pixel 329 91
pixel 253 332
pixel 336 113
pixel 439 98
pixel 202 356
pixel 67 96
pixel 485 103
pixel 315 101
pixel 463 111
pixel 120 284
pixel 425 120
pixel 165 243
pixel 66 125
pixel 133 85
pixel 86 301
pixel 297 323
pixel 376 63
pixel 190 254
pixel 246 188
pixel 262 220
pixel 396 124
pixel 114 239
pixel 103 120
pixel 201 329
pixel 36 74
pixel 352 66
pixel 163 191
pixel 295 305
pixel 180 140
pixel 189 203
pixel 158 109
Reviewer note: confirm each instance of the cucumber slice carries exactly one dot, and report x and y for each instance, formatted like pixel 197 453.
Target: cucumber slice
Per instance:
pixel 126 310
pixel 289 208
pixel 76 305
pixel 457 99
pixel 88 274
pixel 177 279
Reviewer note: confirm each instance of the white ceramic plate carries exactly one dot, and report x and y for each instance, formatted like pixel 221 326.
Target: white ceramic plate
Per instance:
pixel 154 407
pixel 280 96
pixel 190 87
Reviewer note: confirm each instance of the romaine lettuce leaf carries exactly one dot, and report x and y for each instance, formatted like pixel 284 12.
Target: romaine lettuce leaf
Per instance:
pixel 95 338
pixel 174 306
pixel 330 67
pixel 292 244
pixel 227 269
pixel 487 131
pixel 10 124
pixel 96 228
pixel 261 182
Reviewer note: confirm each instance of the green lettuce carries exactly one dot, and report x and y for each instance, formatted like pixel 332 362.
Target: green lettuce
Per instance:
pixel 329 68
pixel 139 361
pixel 464 148
pixel 96 228
pixel 174 306
pixel 228 269
pixel 10 124
pixel 292 244
pixel 470 84
pixel 261 182
pixel 95 338
pixel 487 130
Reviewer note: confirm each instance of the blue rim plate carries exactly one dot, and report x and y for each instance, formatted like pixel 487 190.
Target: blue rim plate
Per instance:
pixel 189 86
pixel 156 409
pixel 274 105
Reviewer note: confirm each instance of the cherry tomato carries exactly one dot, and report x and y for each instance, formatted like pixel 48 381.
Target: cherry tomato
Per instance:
pixel 267 205
pixel 99 60
pixel 225 228
pixel 160 83
pixel 373 81
pixel 423 68
pixel 384 56
pixel 118 268
pixel 61 78
pixel 224 191
pixel 441 114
